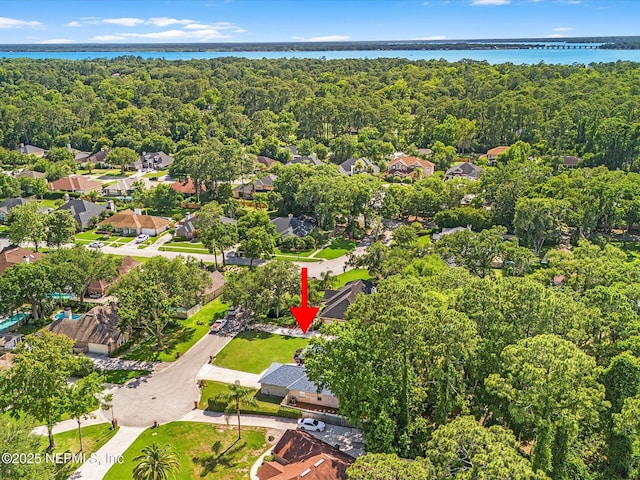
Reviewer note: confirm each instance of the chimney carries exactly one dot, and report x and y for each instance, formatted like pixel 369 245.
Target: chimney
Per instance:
pixel 111 206
pixel 137 211
pixel 67 312
pixel 69 147
pixel 22 145
pixel 25 258
pixel 187 217
pixel 290 216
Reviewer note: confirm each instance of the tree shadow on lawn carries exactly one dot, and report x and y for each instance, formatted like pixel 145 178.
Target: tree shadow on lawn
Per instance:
pixel 210 463
pixel 252 335
pixel 148 351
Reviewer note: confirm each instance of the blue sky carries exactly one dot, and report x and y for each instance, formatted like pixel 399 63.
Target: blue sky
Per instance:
pixel 177 21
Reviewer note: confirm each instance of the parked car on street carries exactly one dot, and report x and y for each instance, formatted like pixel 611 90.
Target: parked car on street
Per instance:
pixel 96 244
pixel 231 312
pixel 218 325
pixel 143 237
pixel 311 424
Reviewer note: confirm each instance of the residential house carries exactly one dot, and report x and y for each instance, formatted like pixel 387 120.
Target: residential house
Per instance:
pixel 99 159
pixel 10 256
pixel 83 212
pixel 463 170
pixel 291 226
pixel 130 223
pixel 7 205
pixel 448 231
pixel 351 167
pixel 214 290
pixel 32 150
pixel 122 187
pixel 98 288
pixel 492 154
pixel 425 152
pixel 187 228
pixel 187 188
pixel 96 331
pixel 569 161
pixel 75 183
pixel 405 165
pixel 292 384
pixel 153 161
pixel 309 160
pixel 338 301
pixel 30 174
pixel 265 161
pixel 81 157
pixel 261 185
pixel 9 341
pixel 6 361
pixel 301 455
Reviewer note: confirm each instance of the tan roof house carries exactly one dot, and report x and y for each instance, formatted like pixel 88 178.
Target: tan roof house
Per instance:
pixel 96 331
pixel 75 183
pixel 492 154
pixel 300 455
pixel 405 165
pixel 130 223
pixel 30 174
pixel 10 256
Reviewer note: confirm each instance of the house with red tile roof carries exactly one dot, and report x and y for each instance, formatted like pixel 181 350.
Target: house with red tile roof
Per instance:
pixel 75 183
pixel 187 188
pixel 10 256
pixel 405 165
pixel 300 455
pixel 130 223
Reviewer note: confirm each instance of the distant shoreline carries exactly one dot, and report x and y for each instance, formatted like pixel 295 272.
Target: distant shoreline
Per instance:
pixel 610 43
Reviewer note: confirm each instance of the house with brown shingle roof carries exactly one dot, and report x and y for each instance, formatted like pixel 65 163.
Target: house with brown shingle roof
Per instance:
pixel 75 183
pixel 98 288
pixel 187 188
pixel 10 256
pixel 405 165
pixel 492 154
pixel 300 455
pixel 96 331
pixel 129 223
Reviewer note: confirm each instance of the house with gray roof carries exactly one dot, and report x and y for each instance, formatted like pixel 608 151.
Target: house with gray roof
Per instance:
pixel 9 341
pixel 291 381
pixel 8 204
pixel 83 211
pixel 187 228
pixel 291 226
pixel 32 150
pixel 261 185
pixel 338 301
pixel 351 167
pixel 123 187
pixel 309 160
pixel 154 161
pixel 463 170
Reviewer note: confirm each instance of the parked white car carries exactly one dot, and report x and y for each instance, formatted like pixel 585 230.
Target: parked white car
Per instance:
pixel 311 424
pixel 96 244
pixel 143 237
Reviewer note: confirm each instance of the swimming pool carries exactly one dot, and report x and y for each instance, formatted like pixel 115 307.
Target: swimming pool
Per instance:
pixel 9 322
pixel 61 296
pixel 60 316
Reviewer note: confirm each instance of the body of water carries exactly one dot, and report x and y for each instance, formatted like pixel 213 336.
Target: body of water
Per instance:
pixel 520 56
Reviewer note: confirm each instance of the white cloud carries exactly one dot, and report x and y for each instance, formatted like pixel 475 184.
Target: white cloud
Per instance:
pixel 555 35
pixel 490 2
pixel 562 29
pixel 223 25
pixel 166 21
pixel 124 21
pixel 434 37
pixel 330 38
pixel 57 40
pixel 198 35
pixel 240 30
pixel 108 38
pixel 15 23
pixel 73 24
pixel 197 26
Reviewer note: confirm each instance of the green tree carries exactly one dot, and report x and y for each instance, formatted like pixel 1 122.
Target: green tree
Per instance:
pixel 239 395
pixel 27 283
pixel 26 224
pixel 156 463
pixel 475 251
pixel 538 220
pixel 16 436
pixel 37 383
pixel 122 157
pixel 84 396
pixel 550 390
pixel 215 235
pixel 388 466
pixel 405 236
pixel 61 226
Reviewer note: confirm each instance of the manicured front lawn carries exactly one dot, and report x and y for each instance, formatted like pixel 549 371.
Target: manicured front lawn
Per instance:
pixel 294 258
pixel 337 248
pixel 181 337
pixel 204 451
pixel 159 173
pixel 254 352
pixel 122 376
pixel 305 253
pixel 187 248
pixel 266 405
pixel 356 274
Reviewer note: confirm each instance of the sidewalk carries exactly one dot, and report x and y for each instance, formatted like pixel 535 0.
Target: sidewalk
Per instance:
pixel 226 375
pixel 288 332
pixel 104 362
pixel 98 467
pixel 67 425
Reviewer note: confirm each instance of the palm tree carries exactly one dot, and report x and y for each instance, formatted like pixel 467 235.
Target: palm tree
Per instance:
pixel 156 463
pixel 326 279
pixel 240 395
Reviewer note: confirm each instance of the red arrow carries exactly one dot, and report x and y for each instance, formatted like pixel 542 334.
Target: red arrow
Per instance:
pixel 304 314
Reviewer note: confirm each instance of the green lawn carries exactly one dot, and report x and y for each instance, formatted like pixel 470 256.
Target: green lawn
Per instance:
pixel 305 253
pixel 47 203
pixel 187 248
pixel 93 438
pixel 122 376
pixel 139 259
pixel 254 352
pixel 356 274
pixel 294 258
pixel 337 248
pixel 204 451
pixel 159 173
pixel 181 337
pixel 90 236
pixel 266 405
